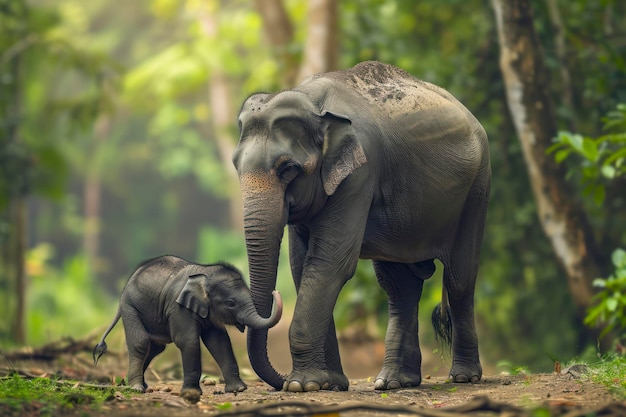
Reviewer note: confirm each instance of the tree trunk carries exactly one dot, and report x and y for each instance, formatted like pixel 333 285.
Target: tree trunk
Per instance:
pixel 279 32
pixel 321 50
pixel 561 54
pixel 221 105
pixel 220 101
pixel 13 210
pixel 532 110
pixel 92 190
pixel 13 272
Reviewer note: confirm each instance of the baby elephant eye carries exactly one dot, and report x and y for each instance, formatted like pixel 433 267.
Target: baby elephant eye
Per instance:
pixel 230 303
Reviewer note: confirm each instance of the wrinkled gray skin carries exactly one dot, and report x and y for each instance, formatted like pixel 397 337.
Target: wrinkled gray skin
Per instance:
pixel 372 163
pixel 168 299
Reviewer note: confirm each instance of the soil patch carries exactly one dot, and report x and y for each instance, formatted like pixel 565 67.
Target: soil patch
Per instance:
pixel 568 393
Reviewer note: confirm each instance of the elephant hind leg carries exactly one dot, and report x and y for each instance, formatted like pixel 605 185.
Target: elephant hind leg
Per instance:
pixel 139 349
pixel 403 284
pixel 459 277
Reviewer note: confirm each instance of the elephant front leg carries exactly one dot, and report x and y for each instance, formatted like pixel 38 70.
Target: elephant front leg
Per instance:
pixel 403 358
pixel 315 365
pixel 218 343
pixel 298 248
pixel 189 347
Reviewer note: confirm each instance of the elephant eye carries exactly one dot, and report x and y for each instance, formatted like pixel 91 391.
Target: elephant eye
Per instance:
pixel 289 170
pixel 230 303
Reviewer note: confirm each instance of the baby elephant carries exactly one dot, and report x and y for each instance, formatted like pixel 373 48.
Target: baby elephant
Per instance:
pixel 169 299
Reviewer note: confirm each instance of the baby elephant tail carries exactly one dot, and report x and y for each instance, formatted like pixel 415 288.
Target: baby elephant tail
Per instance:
pixel 442 321
pixel 102 347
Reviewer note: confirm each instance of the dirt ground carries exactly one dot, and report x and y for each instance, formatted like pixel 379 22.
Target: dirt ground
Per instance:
pixel 568 393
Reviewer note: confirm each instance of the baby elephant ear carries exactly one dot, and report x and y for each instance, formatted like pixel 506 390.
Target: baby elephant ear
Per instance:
pixel 342 151
pixel 194 295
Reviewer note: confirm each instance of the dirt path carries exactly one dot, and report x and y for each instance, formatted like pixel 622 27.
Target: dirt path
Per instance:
pixel 569 393
pixel 508 395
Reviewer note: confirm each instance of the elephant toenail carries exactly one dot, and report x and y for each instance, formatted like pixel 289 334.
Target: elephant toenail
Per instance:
pixel 311 386
pixel 326 386
pixel 393 385
pixel 379 384
pixel 459 378
pixel 294 386
pixel 475 379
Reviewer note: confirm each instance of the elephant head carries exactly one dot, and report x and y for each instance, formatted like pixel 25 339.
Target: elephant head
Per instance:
pixel 219 293
pixel 291 157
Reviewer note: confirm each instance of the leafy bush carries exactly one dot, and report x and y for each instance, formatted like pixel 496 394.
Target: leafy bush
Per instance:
pixel 602 158
pixel 610 309
pixel 63 301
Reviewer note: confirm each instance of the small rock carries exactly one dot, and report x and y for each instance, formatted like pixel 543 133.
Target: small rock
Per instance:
pixel 576 371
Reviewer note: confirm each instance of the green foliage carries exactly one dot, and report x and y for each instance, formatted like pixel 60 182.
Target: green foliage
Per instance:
pixel 603 157
pixel 163 187
pixel 609 309
pixel 611 372
pixel 46 397
pixel 34 111
pixel 63 301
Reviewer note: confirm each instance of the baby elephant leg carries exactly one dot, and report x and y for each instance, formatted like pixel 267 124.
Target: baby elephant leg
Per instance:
pixel 138 343
pixel 189 347
pixel 219 345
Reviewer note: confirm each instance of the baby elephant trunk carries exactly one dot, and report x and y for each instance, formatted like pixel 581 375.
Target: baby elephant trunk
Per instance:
pixel 253 320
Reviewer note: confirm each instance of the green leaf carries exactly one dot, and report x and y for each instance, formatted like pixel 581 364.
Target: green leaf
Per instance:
pixel 599 282
pixel 611 304
pixel 561 155
pixel 575 141
pixel 619 258
pixel 608 171
pixel 589 149
pixel 224 406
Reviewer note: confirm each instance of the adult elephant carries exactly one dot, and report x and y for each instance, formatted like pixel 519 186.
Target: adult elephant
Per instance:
pixel 372 163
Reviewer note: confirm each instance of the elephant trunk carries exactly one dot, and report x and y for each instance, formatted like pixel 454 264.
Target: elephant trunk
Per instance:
pixel 253 320
pixel 264 223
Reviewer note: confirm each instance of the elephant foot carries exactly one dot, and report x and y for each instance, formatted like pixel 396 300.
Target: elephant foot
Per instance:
pixel 235 386
pixel 300 381
pixel 464 373
pixel 395 378
pixel 191 395
pixel 138 386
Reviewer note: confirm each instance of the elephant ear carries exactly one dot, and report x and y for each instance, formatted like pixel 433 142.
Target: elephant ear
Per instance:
pixel 194 295
pixel 342 151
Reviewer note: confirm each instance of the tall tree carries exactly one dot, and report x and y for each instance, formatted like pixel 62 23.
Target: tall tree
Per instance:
pixel 15 166
pixel 321 48
pixel 34 119
pixel 280 33
pixel 220 100
pixel 527 89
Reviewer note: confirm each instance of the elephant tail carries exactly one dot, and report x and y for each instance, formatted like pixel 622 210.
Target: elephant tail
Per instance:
pixel 102 347
pixel 442 321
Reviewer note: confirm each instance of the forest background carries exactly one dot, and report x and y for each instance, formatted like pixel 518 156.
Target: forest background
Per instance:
pixel 118 123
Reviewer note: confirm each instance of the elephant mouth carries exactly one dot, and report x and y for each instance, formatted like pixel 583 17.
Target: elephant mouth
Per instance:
pixel 241 327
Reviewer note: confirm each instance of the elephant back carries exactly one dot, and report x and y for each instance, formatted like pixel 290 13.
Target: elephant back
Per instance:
pixel 385 88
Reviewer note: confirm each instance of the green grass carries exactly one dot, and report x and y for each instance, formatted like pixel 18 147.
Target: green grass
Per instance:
pixel 611 372
pixel 46 397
